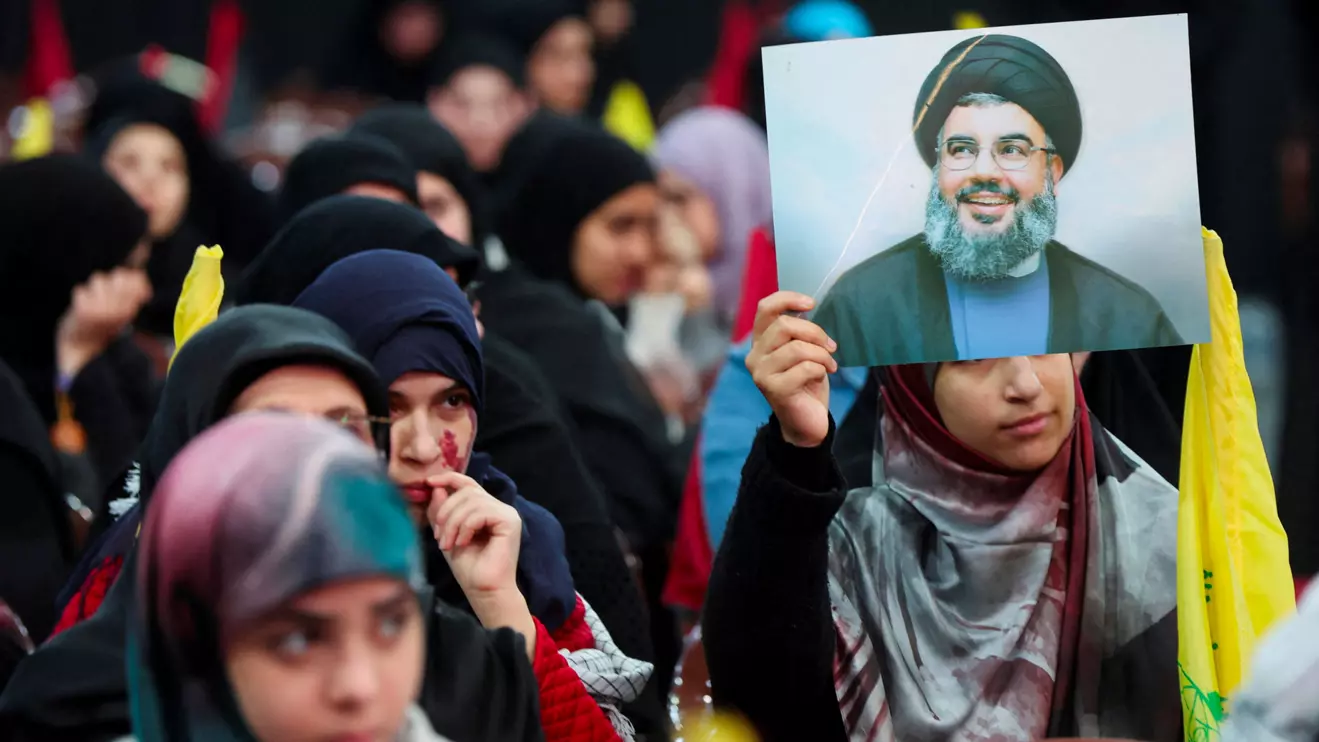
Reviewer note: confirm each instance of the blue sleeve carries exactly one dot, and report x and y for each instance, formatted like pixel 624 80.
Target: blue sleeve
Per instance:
pixel 735 412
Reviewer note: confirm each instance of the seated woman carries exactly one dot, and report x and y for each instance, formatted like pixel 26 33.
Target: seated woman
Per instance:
pixel 417 328
pixel 1010 575
pixel 521 427
pixel 304 616
pixel 252 358
pixel 358 165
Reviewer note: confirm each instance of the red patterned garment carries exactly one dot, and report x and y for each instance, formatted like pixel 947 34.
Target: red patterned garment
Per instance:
pixel 585 680
pixel 90 594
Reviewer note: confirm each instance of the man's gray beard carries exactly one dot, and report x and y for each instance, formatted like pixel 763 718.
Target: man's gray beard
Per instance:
pixel 989 256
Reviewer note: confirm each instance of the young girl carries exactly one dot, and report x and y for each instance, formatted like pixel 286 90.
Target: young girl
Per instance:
pixel 1010 575
pixel 281 597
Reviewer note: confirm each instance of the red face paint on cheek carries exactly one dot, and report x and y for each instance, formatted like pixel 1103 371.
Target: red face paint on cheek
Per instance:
pixel 449 450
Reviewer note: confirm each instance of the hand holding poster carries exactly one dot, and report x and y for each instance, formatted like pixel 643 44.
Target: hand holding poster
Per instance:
pixel 964 195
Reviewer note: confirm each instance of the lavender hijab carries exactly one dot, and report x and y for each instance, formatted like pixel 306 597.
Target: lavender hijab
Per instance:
pixel 727 156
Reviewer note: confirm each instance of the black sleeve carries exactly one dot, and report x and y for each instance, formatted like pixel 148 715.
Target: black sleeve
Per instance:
pixel 768 631
pixel 33 537
pixel 523 433
pixel 114 398
pixel 479 684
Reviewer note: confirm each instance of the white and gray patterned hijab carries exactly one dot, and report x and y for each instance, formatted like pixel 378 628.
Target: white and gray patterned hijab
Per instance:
pixel 972 603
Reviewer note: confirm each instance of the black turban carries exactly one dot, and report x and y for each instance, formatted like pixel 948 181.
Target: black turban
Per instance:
pixel 1013 68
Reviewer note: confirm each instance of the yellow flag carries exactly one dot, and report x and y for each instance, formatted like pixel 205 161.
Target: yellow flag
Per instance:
pixel 199 302
pixel 627 116
pixel 1233 575
pixel 966 20
pixel 36 135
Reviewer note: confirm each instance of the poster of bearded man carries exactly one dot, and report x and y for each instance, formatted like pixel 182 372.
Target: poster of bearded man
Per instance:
pixel 967 195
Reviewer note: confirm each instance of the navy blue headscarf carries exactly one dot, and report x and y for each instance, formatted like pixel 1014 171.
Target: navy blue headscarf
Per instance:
pixel 404 313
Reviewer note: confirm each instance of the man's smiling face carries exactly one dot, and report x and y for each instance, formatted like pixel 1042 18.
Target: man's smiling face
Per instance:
pixel 982 219
pixel 987 196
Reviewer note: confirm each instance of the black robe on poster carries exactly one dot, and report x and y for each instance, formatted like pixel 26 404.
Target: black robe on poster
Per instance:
pixel 892 309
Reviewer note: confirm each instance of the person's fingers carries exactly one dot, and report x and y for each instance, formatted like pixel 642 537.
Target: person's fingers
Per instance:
pixel 473 523
pixel 791 354
pixel 439 496
pixel 787 329
pixel 794 379
pixel 776 304
pixel 451 519
pixel 467 522
pixel 453 481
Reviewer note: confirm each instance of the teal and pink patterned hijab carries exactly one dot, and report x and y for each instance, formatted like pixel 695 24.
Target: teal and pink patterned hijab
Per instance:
pixel 256 511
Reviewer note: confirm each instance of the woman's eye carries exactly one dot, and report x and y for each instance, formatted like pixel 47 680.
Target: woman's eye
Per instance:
pixel 392 626
pixel 456 400
pixel 292 644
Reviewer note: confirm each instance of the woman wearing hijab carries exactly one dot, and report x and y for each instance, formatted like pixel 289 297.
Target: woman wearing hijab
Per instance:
pixel 555 39
pixel 70 285
pixel 36 537
pixel 1010 575
pixel 521 429
pixel 580 232
pixel 148 137
pixel 417 328
pixel 714 172
pixel 304 617
pixel 336 227
pixel 478 91
pixel 714 167
pixel 251 358
pixel 355 165
pixel 446 185
pixel 387 50
pixel 317 563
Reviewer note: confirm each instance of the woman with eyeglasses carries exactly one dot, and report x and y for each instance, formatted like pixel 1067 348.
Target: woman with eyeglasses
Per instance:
pixel 416 327
pixel 253 358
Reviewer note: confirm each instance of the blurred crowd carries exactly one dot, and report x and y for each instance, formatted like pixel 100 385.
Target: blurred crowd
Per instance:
pixel 516 246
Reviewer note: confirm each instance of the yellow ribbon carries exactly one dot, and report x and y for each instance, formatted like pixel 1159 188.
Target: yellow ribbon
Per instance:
pixel 199 302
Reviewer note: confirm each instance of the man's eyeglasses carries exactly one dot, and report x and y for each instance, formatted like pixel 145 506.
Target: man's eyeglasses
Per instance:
pixel 1009 154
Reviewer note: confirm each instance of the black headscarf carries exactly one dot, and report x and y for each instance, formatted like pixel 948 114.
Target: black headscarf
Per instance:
pixel 1012 68
pixel 63 219
pixel 73 686
pixel 223 208
pixel 580 170
pixel 521 155
pixel 36 541
pixel 361 64
pixel 474 48
pixel 331 165
pixel 405 314
pixel 430 148
pixel 524 22
pixel 339 226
